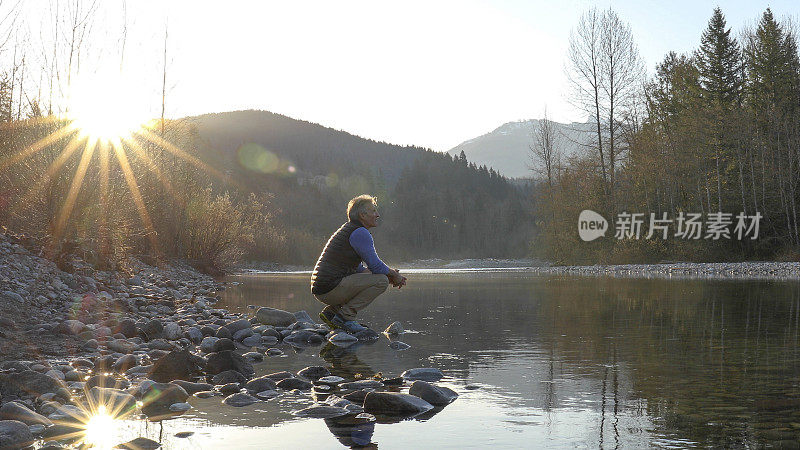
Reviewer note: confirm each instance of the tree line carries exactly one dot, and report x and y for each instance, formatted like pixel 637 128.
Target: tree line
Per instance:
pixel 714 130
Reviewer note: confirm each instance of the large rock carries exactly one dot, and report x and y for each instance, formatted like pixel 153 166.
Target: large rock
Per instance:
pixel 223 333
pixel 252 341
pixel 261 384
pixel 314 372
pixel 228 376
pixel 121 346
pixel 153 329
pixel 228 360
pixel 124 363
pixel 243 333
pixel 294 383
pixel 175 365
pixel 27 383
pixel 278 376
pixel 275 317
pixel 193 334
pixel 20 412
pixel 172 331
pixel 71 327
pixel 223 344
pixel 14 434
pixel 158 397
pixel 208 343
pixel 435 395
pixel 423 373
pixel 395 404
pixel 128 328
pixel 235 327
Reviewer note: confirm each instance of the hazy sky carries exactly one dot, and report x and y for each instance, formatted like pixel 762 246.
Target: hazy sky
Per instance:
pixel 429 73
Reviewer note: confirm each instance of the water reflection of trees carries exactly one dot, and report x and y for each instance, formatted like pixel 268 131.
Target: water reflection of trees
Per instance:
pixel 683 352
pixel 699 352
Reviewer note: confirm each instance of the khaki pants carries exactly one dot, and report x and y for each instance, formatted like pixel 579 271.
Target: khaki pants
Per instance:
pixel 354 293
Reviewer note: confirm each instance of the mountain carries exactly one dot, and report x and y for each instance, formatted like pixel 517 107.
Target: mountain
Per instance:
pixel 507 148
pixel 311 149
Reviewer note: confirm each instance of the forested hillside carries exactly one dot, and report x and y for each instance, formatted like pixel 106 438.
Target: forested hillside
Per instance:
pixel 433 205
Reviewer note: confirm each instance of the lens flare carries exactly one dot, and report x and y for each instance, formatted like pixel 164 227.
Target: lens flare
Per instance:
pixel 256 158
pixel 100 429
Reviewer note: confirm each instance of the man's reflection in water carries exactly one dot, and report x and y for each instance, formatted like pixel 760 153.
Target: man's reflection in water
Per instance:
pixel 351 432
pixel 344 362
pixel 353 435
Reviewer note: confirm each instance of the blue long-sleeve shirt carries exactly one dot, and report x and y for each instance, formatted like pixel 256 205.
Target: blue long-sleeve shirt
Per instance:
pixel 362 243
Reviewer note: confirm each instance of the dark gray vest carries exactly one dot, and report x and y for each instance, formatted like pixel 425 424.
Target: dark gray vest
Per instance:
pixel 337 260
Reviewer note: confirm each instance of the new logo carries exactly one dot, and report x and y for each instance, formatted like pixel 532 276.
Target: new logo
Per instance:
pixel 591 225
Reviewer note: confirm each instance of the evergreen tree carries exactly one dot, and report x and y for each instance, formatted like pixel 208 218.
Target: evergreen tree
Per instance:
pixel 772 66
pixel 719 62
pixel 719 65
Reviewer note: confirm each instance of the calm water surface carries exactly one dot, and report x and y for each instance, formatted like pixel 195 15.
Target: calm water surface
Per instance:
pixel 544 362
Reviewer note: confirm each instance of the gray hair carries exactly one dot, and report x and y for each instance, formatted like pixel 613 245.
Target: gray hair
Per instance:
pixel 359 204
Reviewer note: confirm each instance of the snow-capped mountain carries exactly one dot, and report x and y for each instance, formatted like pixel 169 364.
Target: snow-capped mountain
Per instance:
pixel 507 148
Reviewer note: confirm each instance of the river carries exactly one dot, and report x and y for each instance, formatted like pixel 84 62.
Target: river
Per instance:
pixel 542 362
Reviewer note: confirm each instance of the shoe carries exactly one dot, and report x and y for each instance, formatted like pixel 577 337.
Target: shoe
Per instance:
pixel 353 327
pixel 328 318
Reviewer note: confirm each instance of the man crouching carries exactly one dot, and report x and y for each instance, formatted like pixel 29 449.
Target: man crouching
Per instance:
pixel 340 280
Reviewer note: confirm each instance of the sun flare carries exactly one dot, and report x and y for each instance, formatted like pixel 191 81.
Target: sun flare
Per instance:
pixel 100 430
pixel 108 107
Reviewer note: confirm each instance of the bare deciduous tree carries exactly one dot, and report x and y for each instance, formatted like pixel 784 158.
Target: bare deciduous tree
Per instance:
pixel 622 73
pixel 545 150
pixel 584 73
pixel 606 74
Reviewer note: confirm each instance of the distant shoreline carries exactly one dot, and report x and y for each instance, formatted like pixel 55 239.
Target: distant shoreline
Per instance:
pixel 755 270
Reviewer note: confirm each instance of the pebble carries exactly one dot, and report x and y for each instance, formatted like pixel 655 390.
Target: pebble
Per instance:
pixel 322 412
pixel 239 399
pixel 399 346
pixel 180 407
pixel 140 443
pixel 435 395
pixel 274 352
pixel 266 395
pixel 394 329
pixel 423 373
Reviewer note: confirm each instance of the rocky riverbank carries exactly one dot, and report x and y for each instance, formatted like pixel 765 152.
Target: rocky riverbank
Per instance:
pixel 80 342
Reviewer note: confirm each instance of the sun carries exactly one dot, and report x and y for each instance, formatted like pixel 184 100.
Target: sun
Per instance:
pixel 108 106
pixel 100 429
